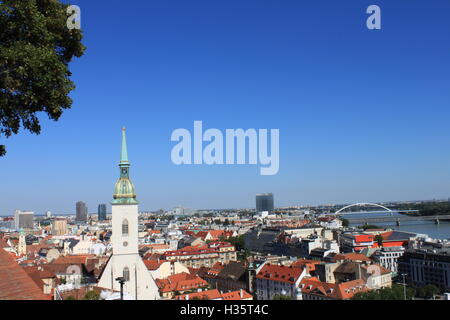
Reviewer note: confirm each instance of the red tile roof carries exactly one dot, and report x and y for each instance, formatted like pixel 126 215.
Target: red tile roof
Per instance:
pixel 236 295
pixel 214 294
pixel 342 291
pixel 37 274
pixel 153 264
pixel 383 270
pixel 180 282
pixel 76 259
pixel 3 244
pixel 309 264
pixel 279 273
pixel 15 283
pixel 353 256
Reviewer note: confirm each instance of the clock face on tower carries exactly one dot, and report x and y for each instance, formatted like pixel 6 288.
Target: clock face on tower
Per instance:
pixel 125 244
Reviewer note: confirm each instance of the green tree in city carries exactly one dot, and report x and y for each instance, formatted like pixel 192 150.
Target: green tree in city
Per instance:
pixel 428 291
pixel 238 242
pixel 345 222
pixel 379 240
pixel 396 292
pixel 92 295
pixel 36 47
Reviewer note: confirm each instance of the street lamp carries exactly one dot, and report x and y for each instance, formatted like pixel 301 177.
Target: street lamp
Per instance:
pixel 121 280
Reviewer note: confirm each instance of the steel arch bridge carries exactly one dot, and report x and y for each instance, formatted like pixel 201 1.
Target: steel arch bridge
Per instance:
pixel 363 204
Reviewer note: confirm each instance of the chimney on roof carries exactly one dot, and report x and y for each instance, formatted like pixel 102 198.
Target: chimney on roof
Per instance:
pixel 242 294
pixel 187 297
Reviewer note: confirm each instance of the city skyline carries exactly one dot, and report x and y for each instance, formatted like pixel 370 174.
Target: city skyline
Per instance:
pixel 362 113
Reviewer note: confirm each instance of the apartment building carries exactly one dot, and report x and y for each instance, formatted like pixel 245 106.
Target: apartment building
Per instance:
pixel 274 280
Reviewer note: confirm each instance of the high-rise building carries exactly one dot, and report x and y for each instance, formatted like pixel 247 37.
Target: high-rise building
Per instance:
pixel 101 212
pixel 81 211
pixel 264 202
pixel 23 219
pixel 125 261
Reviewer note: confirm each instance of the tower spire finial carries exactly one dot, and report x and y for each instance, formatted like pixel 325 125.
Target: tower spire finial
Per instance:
pixel 124 190
pixel 124 154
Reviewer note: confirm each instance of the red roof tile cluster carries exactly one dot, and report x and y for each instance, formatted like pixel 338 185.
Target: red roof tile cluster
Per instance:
pixel 191 250
pixel 38 274
pixel 214 294
pixel 75 259
pixel 3 243
pixel 180 282
pixel 353 256
pixel 341 291
pixel 214 234
pixel 279 273
pixel 15 283
pixel 236 295
pixel 310 265
pixel 153 264
pixel 383 270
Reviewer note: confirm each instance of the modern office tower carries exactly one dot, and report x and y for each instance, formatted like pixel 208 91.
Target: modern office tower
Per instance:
pixel 23 219
pixel 101 212
pixel 264 202
pixel 125 262
pixel 81 211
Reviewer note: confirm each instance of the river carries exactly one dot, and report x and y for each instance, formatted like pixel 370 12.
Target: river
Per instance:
pixel 436 231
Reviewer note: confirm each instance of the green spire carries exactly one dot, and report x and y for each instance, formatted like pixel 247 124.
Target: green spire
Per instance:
pixel 124 155
pixel 124 190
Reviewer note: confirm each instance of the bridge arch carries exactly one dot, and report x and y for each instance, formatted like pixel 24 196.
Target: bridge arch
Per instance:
pixel 363 204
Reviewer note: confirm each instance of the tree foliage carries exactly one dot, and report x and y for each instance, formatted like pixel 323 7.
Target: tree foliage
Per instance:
pixel 432 208
pixel 238 242
pixel 345 222
pixel 379 240
pixel 92 295
pixel 396 292
pixel 428 291
pixel 36 48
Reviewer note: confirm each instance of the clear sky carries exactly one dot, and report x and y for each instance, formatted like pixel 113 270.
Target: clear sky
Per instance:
pixel 363 115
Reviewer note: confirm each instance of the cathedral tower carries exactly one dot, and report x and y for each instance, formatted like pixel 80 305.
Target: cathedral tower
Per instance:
pixel 125 260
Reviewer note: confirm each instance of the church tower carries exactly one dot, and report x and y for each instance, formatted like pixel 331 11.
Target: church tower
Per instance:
pixel 125 260
pixel 22 246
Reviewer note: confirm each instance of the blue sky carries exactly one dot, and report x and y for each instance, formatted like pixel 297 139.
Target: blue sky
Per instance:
pixel 363 115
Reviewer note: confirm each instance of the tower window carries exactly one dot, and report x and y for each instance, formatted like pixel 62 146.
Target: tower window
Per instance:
pixel 126 274
pixel 125 227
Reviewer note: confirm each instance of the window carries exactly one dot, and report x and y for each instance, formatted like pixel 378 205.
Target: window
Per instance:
pixel 126 274
pixel 125 227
